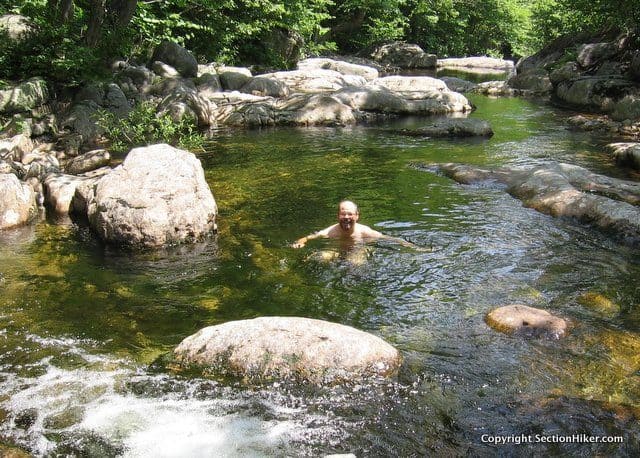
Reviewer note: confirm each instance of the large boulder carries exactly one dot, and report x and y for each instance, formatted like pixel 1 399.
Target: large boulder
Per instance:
pixel 535 81
pixel 15 26
pixel 178 57
pixel 302 349
pixel 260 85
pixel 158 196
pixel 16 147
pixel 410 83
pixel 134 80
pixel 233 78
pixel 108 96
pixel 590 54
pixel 17 201
pixel 458 84
pixel 346 68
pixel 403 55
pixel 183 103
pixel 316 80
pixel 25 96
pixel 527 321
pixel 314 110
pixel 628 107
pixel 489 64
pixel 597 93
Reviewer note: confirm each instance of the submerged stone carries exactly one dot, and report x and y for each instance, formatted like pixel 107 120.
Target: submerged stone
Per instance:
pixel 566 190
pixel 296 348
pixel 452 127
pixel 528 321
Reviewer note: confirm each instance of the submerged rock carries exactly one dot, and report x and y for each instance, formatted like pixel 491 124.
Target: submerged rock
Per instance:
pixel 527 321
pixel 458 84
pixel 452 127
pixel 157 197
pixel 566 190
pixel 288 348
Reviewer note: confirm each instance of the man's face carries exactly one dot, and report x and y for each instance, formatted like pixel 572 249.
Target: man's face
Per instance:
pixel 347 216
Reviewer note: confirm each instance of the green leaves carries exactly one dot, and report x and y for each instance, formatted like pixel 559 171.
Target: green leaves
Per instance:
pixel 142 126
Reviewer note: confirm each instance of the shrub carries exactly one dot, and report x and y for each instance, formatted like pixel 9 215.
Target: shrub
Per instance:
pixel 143 126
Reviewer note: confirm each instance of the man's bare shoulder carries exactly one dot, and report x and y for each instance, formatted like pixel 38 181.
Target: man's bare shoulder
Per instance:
pixel 366 232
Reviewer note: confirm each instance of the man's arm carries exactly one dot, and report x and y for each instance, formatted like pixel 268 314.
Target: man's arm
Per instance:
pixel 372 233
pixel 303 241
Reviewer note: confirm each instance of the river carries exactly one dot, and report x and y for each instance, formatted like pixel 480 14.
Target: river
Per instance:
pixel 81 324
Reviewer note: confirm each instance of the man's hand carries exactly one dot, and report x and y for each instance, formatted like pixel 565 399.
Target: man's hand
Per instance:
pixel 299 243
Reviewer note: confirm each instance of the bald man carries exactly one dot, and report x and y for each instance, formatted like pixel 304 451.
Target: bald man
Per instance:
pixel 347 228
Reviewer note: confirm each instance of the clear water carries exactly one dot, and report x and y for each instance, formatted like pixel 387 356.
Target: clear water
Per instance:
pixel 81 323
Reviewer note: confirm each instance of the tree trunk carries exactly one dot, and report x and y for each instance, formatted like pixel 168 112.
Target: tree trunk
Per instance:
pixel 62 8
pixel 96 18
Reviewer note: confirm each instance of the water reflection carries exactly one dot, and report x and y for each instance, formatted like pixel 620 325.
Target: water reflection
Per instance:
pixel 81 321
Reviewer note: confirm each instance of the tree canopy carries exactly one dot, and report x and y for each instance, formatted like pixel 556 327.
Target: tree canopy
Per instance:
pixel 73 39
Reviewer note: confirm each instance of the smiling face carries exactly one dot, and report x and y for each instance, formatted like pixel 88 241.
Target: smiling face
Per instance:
pixel 348 216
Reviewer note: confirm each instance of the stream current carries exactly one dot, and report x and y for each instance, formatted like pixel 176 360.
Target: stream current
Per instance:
pixel 81 323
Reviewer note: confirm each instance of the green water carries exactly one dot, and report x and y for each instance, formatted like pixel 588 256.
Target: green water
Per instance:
pixel 81 322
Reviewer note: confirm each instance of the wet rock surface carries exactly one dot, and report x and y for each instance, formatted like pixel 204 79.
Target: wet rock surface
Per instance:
pixel 302 349
pixel 451 127
pixel 565 190
pixel 526 321
pixel 626 153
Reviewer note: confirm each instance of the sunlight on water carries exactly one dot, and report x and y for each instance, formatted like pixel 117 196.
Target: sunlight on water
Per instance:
pixel 80 322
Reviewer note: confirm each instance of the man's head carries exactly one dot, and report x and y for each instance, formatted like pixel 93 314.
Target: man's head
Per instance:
pixel 348 215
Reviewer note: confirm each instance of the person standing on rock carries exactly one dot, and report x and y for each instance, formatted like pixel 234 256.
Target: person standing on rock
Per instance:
pixel 348 228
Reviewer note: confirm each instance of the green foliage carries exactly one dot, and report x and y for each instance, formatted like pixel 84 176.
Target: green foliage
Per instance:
pixel 142 126
pixel 552 18
pixel 275 33
pixel 462 27
pixel 357 24
pixel 56 49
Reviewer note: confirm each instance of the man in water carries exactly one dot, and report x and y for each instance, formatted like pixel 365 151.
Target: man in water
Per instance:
pixel 348 228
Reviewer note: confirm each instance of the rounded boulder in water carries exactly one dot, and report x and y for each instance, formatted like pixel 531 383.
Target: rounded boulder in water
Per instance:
pixel 528 321
pixel 301 349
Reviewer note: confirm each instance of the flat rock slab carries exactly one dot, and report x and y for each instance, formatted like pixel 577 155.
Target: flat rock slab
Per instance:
pixel 565 190
pixel 453 127
pixel 527 321
pixel 301 349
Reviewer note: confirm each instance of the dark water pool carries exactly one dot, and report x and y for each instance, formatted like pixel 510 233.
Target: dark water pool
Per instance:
pixel 80 323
